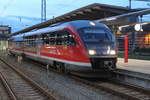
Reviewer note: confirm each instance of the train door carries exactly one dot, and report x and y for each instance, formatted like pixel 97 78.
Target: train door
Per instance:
pixel 39 43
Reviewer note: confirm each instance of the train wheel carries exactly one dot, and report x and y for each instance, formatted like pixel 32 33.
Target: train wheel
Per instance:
pixel 11 54
pixel 114 66
pixel 61 67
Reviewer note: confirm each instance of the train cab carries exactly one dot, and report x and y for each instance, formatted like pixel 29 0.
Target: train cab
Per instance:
pixel 99 42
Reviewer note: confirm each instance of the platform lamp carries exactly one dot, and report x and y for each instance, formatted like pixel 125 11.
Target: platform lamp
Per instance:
pixel 138 27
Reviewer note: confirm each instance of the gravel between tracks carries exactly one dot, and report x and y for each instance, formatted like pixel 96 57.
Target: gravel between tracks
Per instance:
pixel 61 86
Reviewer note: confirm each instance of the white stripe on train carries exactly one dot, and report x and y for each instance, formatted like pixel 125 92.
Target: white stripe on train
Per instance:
pixel 56 59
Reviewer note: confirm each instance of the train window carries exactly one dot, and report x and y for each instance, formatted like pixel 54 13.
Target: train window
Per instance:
pixel 39 39
pixel 49 38
pixel 46 38
pixel 58 38
pixel 96 34
pixel 69 39
pixel 30 40
pixel 52 38
pixel 65 38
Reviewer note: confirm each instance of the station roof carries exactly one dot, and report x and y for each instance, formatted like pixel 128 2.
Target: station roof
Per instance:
pixel 90 12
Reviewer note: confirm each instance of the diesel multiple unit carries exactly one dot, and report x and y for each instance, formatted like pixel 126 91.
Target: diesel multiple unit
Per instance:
pixel 80 45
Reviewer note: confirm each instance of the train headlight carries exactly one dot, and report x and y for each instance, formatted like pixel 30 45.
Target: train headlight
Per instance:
pixel 92 52
pixel 112 52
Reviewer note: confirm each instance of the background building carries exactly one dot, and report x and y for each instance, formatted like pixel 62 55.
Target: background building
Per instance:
pixel 139 41
pixel 4 32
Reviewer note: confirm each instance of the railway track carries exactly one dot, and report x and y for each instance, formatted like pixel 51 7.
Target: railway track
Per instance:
pixel 139 79
pixel 124 90
pixel 5 91
pixel 20 86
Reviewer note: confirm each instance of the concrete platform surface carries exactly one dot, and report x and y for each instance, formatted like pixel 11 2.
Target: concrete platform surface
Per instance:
pixel 142 66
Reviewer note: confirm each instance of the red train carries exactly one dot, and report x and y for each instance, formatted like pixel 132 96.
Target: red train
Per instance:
pixel 80 45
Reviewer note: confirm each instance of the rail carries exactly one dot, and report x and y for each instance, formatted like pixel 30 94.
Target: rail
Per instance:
pixel 30 81
pixel 125 90
pixel 8 88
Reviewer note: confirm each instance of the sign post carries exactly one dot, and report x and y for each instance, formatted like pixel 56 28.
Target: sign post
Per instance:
pixel 126 49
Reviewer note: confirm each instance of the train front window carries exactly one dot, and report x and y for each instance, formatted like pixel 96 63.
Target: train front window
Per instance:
pixel 97 40
pixel 96 35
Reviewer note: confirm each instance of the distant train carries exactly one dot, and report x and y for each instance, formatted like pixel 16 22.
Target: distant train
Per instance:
pixel 80 45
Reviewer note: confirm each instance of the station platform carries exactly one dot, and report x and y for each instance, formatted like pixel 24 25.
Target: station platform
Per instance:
pixel 134 65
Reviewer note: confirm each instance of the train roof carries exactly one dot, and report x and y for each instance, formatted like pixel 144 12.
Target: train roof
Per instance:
pixel 78 24
pixel 85 23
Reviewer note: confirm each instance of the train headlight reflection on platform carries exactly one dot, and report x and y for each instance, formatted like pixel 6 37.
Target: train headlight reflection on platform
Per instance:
pixel 112 52
pixel 92 52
